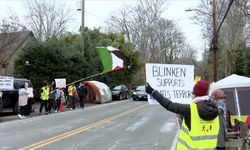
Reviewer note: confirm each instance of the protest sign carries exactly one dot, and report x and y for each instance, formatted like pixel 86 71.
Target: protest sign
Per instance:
pixel 60 83
pixel 6 82
pixel 173 81
pixel 30 92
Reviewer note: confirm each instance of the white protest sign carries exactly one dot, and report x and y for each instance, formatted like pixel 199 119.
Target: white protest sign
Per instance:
pixel 6 82
pixel 30 92
pixel 173 81
pixel 60 83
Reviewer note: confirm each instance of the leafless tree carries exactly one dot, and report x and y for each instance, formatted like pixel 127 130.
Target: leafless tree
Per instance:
pixel 157 39
pixel 47 18
pixel 233 34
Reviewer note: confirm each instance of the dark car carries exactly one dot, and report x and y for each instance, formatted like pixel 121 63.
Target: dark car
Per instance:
pixel 139 93
pixel 10 97
pixel 120 92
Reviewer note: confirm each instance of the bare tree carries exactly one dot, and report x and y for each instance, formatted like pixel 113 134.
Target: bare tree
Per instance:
pixel 233 34
pixel 158 39
pixel 47 18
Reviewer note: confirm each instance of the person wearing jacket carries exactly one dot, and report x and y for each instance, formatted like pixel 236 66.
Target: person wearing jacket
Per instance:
pixel 200 124
pixel 219 98
pixel 44 97
pixel 23 100
pixel 82 92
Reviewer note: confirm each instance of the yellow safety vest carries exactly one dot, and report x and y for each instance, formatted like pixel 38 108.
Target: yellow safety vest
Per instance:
pixel 45 93
pixel 202 135
pixel 70 90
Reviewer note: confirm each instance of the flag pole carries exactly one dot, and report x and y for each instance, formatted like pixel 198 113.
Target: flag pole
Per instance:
pixel 87 78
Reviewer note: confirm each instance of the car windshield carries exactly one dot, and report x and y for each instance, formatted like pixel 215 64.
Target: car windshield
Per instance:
pixel 140 88
pixel 117 88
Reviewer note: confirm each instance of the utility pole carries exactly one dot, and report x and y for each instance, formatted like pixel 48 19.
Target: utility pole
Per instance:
pixel 214 46
pixel 82 27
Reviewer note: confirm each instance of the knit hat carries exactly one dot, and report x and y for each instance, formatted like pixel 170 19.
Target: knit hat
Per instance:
pixel 200 88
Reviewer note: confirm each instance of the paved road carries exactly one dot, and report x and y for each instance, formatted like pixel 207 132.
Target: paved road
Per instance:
pixel 122 125
pixel 8 114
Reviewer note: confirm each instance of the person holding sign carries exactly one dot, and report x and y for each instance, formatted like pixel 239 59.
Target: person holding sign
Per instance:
pixel 23 100
pixel 200 125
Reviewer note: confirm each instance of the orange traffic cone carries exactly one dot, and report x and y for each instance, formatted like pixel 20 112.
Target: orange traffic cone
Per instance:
pixel 61 107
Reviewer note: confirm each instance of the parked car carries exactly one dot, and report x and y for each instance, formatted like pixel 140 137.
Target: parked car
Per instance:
pixel 120 92
pixel 139 93
pixel 1 101
pixel 10 97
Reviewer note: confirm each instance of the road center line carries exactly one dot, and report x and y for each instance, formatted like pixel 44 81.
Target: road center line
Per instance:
pixel 79 130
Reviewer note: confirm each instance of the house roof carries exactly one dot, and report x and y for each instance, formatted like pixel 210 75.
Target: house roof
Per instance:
pixel 11 42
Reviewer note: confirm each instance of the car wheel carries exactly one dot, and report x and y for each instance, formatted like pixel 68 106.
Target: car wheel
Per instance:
pixel 120 97
pixel 134 99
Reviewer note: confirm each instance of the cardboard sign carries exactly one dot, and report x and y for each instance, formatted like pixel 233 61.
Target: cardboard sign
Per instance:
pixel 60 83
pixel 6 82
pixel 173 81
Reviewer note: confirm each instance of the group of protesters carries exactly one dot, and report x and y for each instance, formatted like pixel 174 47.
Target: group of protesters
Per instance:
pixel 52 97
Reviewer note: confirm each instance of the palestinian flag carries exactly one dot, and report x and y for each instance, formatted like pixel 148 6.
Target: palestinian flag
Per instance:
pixel 112 58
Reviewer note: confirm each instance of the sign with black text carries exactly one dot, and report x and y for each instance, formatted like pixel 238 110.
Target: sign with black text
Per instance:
pixel 6 82
pixel 173 81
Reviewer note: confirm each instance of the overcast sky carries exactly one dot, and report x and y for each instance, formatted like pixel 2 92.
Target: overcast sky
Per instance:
pixel 97 11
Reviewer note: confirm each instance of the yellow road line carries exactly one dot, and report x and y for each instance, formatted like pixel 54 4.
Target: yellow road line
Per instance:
pixel 78 130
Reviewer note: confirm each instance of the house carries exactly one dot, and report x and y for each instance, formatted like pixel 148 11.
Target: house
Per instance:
pixel 11 44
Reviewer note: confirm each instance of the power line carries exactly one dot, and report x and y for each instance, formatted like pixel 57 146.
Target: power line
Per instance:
pixel 229 6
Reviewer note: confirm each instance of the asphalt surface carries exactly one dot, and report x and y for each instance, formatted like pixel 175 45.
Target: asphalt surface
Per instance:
pixel 120 125
pixel 8 114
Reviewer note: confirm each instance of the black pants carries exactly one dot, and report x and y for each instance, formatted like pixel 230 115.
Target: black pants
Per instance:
pixel 23 110
pixel 45 104
pixel 72 102
pixel 50 104
pixel 82 101
pixel 29 107
pixel 220 148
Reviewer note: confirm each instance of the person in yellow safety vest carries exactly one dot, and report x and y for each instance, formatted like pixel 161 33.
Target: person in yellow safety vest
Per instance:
pixel 200 125
pixel 72 100
pixel 44 92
